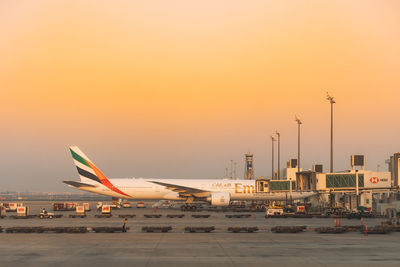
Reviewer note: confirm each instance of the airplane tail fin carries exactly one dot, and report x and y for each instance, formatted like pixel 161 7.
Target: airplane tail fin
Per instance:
pixel 88 172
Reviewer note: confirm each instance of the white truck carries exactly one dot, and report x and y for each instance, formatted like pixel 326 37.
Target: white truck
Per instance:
pixel 274 211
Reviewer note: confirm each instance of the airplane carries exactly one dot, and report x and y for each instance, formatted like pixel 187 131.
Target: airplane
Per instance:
pixel 217 192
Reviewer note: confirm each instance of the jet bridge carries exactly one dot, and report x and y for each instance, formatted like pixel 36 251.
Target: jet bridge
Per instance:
pixel 262 186
pixel 267 186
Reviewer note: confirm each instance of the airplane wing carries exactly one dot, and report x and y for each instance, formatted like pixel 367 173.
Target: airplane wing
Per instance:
pixel 184 190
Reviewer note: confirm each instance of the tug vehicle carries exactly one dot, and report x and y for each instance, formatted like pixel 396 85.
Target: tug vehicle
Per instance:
pixel 46 215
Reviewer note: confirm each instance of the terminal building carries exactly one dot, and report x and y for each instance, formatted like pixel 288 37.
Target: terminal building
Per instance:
pixel 349 189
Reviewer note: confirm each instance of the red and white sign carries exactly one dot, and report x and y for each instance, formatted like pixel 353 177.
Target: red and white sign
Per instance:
pixel 87 206
pixel 106 209
pixel 80 209
pixel 377 179
pixel 71 205
pixel 22 211
pixel 374 180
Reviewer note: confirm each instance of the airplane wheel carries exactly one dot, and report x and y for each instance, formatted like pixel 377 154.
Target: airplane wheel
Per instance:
pixel 193 208
pixel 183 208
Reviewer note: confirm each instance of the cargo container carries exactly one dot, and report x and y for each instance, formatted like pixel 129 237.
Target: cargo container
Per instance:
pixel 2 211
pixel 22 211
pixel 127 205
pixel 71 206
pixel 112 205
pixel 106 209
pixel 301 209
pixel 64 206
pixel 141 205
pixel 87 206
pixel 80 210
pixel 12 207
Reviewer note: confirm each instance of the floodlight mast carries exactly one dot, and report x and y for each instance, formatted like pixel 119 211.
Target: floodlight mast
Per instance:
pixel 298 154
pixel 279 154
pixel 273 140
pixel 331 101
pixel 298 141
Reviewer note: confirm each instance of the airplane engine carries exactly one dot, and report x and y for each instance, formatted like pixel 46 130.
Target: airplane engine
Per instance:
pixel 220 198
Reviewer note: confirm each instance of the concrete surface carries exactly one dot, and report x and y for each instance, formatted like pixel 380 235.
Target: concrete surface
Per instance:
pixel 219 248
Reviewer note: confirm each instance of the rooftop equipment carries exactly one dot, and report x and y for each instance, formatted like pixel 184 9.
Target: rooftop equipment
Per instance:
pixel 318 168
pixel 357 160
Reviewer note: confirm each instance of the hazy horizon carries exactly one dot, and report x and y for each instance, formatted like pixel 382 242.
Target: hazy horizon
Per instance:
pixel 178 89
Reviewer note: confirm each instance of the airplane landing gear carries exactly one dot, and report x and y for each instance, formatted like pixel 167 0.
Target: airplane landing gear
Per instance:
pixel 188 208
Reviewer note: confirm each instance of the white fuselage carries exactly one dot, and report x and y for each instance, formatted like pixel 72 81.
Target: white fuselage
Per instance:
pixel 145 189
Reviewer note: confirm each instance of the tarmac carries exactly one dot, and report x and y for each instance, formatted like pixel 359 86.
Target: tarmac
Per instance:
pixel 178 248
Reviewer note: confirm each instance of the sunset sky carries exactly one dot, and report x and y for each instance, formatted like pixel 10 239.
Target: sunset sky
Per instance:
pixel 176 89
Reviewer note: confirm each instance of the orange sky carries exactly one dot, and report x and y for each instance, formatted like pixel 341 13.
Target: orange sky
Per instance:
pixel 178 88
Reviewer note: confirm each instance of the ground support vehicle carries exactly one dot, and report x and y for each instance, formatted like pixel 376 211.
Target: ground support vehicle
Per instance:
pixel 48 215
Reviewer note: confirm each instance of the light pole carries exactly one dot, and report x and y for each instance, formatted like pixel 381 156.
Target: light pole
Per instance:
pixel 273 140
pixel 298 155
pixel 231 169
pixel 279 154
pixel 332 101
pixel 234 171
pixel 357 190
pixel 298 142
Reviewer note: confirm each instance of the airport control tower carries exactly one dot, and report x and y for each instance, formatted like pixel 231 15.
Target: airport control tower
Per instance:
pixel 249 167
